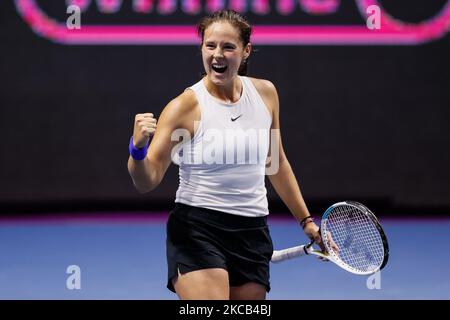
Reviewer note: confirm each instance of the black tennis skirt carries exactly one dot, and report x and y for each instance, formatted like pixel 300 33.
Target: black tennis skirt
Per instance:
pixel 199 238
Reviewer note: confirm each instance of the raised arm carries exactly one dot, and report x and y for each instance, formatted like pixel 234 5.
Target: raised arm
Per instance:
pixel 180 113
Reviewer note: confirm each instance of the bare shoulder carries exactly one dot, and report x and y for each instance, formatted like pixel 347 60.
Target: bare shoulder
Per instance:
pixel 264 87
pixel 268 93
pixel 185 103
pixel 182 111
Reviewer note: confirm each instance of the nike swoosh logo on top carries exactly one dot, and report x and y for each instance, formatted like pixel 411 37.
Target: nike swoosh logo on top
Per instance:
pixel 234 119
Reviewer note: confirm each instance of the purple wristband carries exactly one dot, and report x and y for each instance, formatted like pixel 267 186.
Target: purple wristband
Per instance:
pixel 137 153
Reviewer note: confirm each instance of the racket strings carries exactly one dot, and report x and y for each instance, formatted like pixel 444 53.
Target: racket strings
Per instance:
pixel 358 239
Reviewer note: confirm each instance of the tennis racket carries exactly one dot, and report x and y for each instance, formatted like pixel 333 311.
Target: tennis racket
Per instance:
pixel 362 246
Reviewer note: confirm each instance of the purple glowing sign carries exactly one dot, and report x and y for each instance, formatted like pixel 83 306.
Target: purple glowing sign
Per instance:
pixel 392 31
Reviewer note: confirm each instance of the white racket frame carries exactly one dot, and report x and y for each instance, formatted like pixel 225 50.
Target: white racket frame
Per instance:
pixel 307 249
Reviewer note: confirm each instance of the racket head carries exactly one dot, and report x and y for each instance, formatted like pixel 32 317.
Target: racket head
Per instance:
pixel 362 242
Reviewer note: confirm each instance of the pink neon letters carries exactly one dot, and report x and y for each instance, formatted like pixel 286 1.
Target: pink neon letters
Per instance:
pixel 393 31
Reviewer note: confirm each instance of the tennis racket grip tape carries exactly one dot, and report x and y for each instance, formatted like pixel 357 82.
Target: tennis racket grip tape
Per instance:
pixel 289 253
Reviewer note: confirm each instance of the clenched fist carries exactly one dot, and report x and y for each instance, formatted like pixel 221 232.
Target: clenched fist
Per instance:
pixel 144 128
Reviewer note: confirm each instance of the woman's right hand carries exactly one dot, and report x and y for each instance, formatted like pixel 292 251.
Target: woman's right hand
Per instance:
pixel 144 128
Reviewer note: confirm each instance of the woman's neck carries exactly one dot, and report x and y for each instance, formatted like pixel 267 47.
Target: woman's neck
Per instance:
pixel 228 93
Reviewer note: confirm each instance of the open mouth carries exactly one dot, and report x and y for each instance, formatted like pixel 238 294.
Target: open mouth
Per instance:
pixel 219 68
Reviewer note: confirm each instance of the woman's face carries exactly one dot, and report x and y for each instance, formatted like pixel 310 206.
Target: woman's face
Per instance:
pixel 223 52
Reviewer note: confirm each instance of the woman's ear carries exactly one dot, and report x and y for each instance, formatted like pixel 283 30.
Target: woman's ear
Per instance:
pixel 247 50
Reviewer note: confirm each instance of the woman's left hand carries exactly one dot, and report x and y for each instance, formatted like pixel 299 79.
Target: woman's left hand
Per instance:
pixel 313 233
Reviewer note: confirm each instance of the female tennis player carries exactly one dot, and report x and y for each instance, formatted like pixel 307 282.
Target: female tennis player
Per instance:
pixel 218 242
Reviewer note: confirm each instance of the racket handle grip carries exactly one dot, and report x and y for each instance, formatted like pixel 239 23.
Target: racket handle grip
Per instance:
pixel 289 253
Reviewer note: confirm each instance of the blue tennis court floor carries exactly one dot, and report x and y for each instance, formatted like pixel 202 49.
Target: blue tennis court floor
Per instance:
pixel 123 257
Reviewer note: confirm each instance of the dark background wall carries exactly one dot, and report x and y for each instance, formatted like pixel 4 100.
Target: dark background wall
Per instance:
pixel 368 123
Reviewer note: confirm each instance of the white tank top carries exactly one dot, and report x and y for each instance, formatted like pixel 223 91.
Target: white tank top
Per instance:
pixel 223 166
